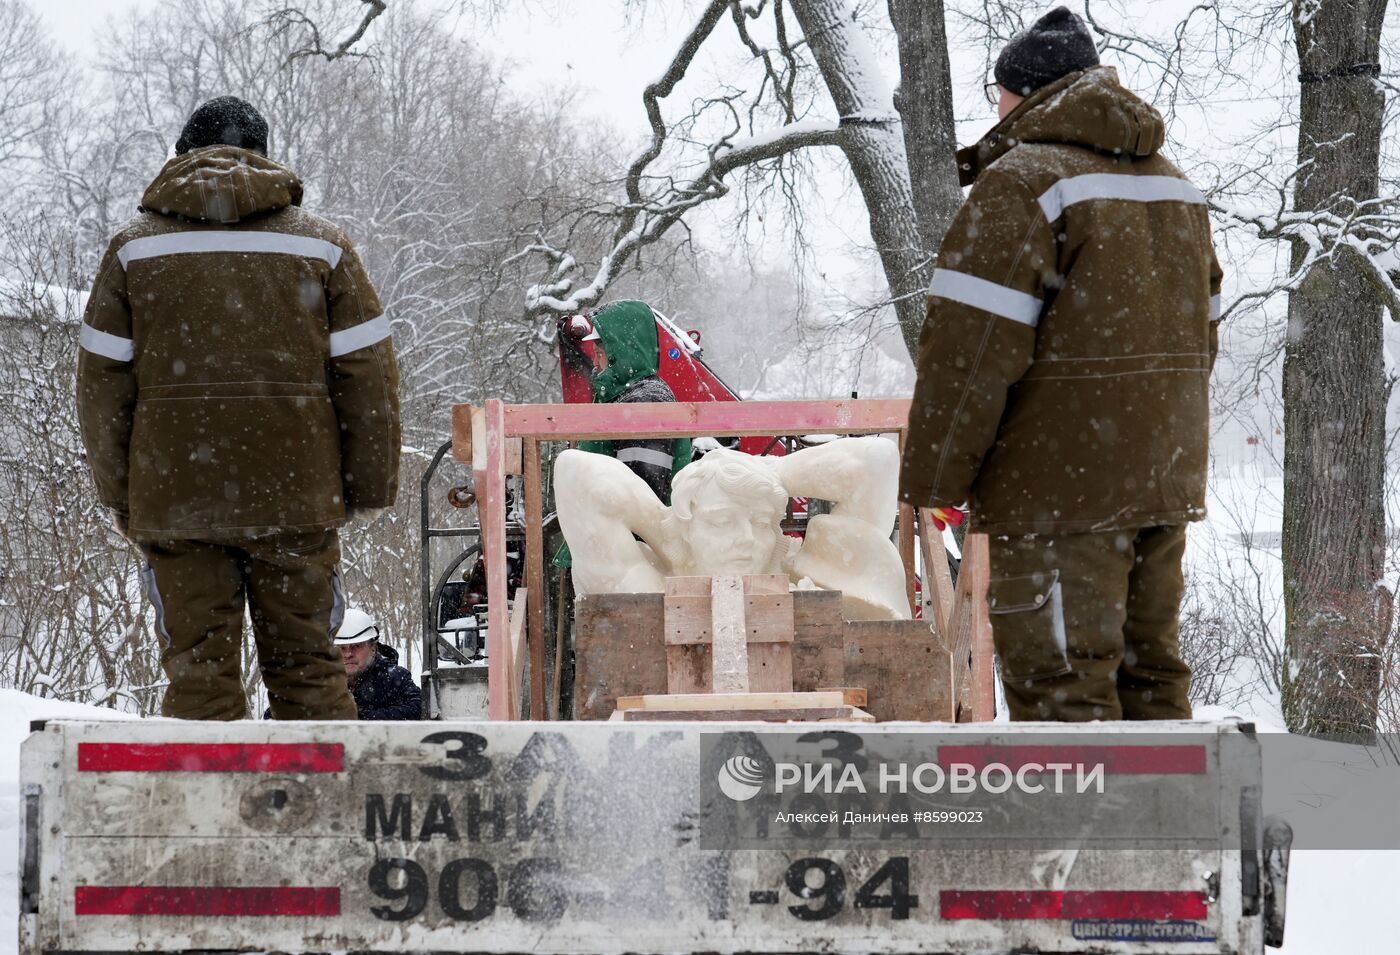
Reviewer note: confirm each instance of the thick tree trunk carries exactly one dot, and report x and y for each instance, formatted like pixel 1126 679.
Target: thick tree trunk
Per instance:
pixel 873 142
pixel 925 104
pixel 1334 394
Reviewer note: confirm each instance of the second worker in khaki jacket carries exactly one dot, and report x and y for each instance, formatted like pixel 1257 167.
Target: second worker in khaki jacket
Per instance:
pixel 1063 377
pixel 238 399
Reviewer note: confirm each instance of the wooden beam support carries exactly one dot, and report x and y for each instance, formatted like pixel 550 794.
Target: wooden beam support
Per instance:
pixel 938 581
pixel 906 554
pixel 517 649
pixel 462 434
pixel 488 447
pixel 732 701
pixel 976 565
pixel 729 635
pixel 534 574
pixel 701 418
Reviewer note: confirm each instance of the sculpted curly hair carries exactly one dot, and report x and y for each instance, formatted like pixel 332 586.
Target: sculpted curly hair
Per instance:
pixel 741 476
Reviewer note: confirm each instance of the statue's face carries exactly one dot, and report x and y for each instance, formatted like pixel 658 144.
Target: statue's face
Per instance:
pixel 727 534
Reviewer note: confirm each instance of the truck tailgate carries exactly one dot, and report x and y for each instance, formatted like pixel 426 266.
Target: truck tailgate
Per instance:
pixel 552 837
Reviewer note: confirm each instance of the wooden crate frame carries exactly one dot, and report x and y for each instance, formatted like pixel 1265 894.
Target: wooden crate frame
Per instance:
pixel 486 438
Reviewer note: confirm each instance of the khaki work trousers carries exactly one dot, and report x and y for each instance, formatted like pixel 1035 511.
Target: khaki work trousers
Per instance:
pixel 291 585
pixel 1086 625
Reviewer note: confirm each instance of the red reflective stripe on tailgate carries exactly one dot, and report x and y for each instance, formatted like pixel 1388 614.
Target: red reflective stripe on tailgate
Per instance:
pixel 1117 760
pixel 1135 905
pixel 955 904
pixel 211 757
pixel 205 900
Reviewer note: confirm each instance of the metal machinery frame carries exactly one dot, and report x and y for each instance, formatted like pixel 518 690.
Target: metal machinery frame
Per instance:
pixel 485 437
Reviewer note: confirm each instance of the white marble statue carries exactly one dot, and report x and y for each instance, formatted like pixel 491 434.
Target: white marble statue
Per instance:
pixel 725 518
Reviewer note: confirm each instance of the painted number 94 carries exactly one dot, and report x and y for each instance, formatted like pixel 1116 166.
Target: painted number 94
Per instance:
pixel 823 887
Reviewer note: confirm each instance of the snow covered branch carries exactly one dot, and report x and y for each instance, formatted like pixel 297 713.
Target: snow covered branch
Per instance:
pixel 295 17
pixel 1364 233
pixel 647 218
pixel 758 123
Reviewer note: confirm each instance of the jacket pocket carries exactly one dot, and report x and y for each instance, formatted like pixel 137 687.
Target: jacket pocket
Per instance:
pixel 1028 625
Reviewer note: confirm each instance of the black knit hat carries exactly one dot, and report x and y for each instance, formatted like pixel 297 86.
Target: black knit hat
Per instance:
pixel 1054 46
pixel 224 121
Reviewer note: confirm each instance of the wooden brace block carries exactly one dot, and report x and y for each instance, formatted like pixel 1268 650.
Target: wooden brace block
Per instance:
pixel 850 695
pixel 730 701
pixel 811 714
pixel 514 455
pixel 462 436
pixel 687 618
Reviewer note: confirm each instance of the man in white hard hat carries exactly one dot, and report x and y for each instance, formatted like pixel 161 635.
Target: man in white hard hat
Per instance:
pixel 383 690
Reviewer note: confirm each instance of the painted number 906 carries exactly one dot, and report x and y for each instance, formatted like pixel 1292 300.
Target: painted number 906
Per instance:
pixel 468 890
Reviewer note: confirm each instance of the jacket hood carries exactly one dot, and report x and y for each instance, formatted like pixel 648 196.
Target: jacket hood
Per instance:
pixel 627 331
pixel 222 184
pixel 1089 109
pixel 387 654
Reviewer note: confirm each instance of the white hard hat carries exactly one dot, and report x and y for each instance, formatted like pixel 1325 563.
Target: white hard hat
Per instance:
pixel 583 329
pixel 357 627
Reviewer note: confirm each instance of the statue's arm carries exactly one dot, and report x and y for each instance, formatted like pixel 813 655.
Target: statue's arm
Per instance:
pixel 601 505
pixel 860 476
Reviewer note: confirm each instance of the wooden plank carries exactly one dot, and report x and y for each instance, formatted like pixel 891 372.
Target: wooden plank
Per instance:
pixel 689 669
pixel 903 666
pixel 817 714
pixel 573 422
pixel 534 574
pixel 518 615
pixel 462 434
pixel 729 661
pixel 618 651
pixel 768 618
pixel 938 600
pixel 977 566
pixel 818 656
pixel 730 701
pixel 768 624
pixel 515 455
pixel 906 554
pixel 850 695
pixel 488 442
pixel 938 581
pixel 687 619
pixel 561 632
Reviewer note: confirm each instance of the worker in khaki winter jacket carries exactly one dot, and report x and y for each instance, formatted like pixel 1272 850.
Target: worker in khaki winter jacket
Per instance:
pixel 1062 388
pixel 238 399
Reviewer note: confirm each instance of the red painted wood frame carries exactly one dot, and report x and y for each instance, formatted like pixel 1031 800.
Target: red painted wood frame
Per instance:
pixel 481 437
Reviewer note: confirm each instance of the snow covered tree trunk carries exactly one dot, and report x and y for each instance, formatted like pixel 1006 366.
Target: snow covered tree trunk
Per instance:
pixel 1334 391
pixel 925 104
pixel 872 140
